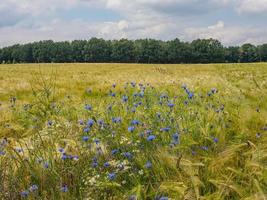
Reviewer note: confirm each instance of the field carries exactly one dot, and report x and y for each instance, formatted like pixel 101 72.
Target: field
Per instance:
pixel 128 131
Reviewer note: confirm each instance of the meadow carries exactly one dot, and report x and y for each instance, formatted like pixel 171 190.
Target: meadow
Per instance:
pixel 129 131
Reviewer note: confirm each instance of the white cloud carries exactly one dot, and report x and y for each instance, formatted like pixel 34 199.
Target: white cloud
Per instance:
pixel 252 6
pixel 30 20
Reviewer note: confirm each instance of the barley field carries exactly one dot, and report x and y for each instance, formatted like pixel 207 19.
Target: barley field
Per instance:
pixel 129 131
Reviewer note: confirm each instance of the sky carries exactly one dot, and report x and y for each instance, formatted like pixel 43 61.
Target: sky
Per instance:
pixel 233 22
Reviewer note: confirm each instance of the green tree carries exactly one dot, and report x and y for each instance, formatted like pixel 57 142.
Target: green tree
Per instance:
pixel 207 51
pixel 232 54
pixel 97 50
pixel 122 51
pixel 262 49
pixel 249 53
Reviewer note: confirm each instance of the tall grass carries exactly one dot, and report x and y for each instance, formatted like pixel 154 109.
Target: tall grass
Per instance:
pixel 135 140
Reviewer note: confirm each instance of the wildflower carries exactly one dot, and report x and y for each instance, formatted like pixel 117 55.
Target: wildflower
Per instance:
pixel 97 141
pixel 131 129
pixel 81 122
pixel 151 138
pixel 2 153
pixel 50 123
pixel 106 164
pixel 46 165
pixel 214 90
pixel 90 122
pixel 127 155
pixel 132 197
pixel 148 165
pixel 64 157
pixel 113 94
pixel 163 198
pixel 113 85
pixel 166 129
pixel 114 151
pixel 190 95
pixel 64 188
pixel 85 138
pixel 205 148
pixel 100 122
pixel 116 120
pixel 171 105
pixel 124 98
pixel 24 193
pixel 86 130
pixel 258 135
pixel 111 176
pixel 88 107
pixel 94 164
pixel 135 122
pixel 33 188
pixel 176 138
pixel 215 140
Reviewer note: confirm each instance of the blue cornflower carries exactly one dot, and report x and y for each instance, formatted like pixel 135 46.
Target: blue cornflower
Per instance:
pixel 46 165
pixel 50 123
pixel 133 84
pixel 209 94
pixel 88 107
pixel 148 165
pixel 190 95
pixel 163 198
pixel 127 155
pixel 135 122
pixel 81 122
pixel 124 98
pixel 24 193
pixel 97 141
pixel 166 129
pixel 64 157
pixel 2 153
pixel 176 138
pixel 113 94
pixel 151 138
pixel 64 188
pixel 215 140
pixel 111 176
pixel 205 148
pixel 86 130
pixel 33 188
pixel 214 90
pixel 141 94
pixel 132 197
pixel 61 150
pixel 90 122
pixel 131 129
pixel 171 105
pixel 106 164
pixel 133 110
pixel 116 120
pixel 86 138
pixel 94 164
pixel 114 151
pixel 100 122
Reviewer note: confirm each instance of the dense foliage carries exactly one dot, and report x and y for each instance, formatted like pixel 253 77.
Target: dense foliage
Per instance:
pixel 129 51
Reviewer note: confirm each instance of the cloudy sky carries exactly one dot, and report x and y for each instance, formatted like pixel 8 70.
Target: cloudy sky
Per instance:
pixel 231 21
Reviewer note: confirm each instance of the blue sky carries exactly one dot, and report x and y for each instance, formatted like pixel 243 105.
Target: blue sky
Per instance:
pixel 231 21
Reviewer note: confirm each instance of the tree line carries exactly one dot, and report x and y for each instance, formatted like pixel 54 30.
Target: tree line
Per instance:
pixel 132 51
